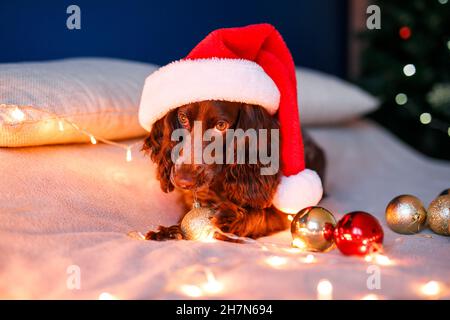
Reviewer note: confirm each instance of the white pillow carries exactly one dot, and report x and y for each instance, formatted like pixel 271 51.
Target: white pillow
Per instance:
pixel 325 99
pixel 100 96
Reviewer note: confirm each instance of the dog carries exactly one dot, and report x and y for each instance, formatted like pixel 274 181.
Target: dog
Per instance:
pixel 239 194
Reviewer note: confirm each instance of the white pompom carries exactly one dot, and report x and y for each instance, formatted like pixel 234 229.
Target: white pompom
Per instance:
pixel 298 191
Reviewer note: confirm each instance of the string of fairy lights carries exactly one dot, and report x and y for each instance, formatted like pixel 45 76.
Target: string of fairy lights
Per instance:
pixel 209 284
pixel 16 115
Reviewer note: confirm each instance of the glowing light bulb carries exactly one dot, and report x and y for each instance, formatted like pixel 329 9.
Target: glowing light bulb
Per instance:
pixel 276 261
pixel 383 260
pixel 106 296
pixel 207 236
pixel 370 296
pixel 378 259
pixel 212 285
pixel 309 259
pixel 93 140
pixel 60 125
pixel 191 290
pixel 425 118
pixel 431 288
pixel 292 250
pixel 401 99
pixel 17 115
pixel 290 217
pixel 128 156
pixel 324 290
pixel 299 243
pixel 409 70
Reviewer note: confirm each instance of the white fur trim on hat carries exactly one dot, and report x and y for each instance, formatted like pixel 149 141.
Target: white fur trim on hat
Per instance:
pixel 298 191
pixel 187 81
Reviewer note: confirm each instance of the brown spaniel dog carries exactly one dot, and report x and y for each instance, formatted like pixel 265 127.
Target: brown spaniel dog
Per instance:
pixel 239 194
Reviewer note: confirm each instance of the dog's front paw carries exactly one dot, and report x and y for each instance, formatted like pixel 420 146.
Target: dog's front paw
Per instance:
pixel 228 220
pixel 165 233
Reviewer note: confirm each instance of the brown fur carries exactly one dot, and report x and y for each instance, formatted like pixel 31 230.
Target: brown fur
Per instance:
pixel 239 194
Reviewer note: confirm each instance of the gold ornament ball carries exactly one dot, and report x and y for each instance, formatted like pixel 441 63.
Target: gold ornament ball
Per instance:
pixel 196 224
pixel 312 229
pixel 439 215
pixel 406 214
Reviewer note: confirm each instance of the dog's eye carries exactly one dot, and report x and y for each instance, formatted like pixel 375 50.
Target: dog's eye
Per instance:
pixel 221 125
pixel 183 118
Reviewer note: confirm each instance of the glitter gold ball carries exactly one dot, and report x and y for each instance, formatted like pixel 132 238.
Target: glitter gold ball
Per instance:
pixel 439 215
pixel 406 214
pixel 312 229
pixel 196 224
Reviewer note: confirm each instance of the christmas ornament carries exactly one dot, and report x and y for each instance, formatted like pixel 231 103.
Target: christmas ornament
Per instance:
pixel 358 233
pixel 406 214
pixel 439 215
pixel 196 224
pixel 256 67
pixel 312 229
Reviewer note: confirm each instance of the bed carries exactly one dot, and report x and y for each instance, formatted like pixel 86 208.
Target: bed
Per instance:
pixel 66 212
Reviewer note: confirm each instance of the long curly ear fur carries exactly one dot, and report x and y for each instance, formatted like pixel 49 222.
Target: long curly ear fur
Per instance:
pixel 244 184
pixel 159 146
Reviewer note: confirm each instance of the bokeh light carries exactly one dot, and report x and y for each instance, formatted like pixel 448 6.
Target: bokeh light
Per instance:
pixel 405 33
pixel 276 261
pixel 431 289
pixel 309 259
pixel 409 70
pixel 370 296
pixel 324 290
pixel 191 290
pixel 212 285
pixel 106 296
pixel 17 115
pixel 401 99
pixel 425 118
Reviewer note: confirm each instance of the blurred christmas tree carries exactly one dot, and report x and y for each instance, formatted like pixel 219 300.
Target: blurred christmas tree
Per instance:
pixel 406 64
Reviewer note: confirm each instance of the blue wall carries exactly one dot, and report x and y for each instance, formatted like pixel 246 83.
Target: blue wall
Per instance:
pixel 162 31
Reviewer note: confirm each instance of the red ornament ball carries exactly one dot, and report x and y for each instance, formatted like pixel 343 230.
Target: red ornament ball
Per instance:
pixel 405 33
pixel 358 233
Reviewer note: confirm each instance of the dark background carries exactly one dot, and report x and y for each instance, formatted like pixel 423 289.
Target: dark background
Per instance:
pixel 163 31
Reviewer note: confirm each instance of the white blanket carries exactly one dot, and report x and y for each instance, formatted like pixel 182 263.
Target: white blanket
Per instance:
pixel 65 212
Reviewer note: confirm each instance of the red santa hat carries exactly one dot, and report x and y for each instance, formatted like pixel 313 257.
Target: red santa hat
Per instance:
pixel 252 65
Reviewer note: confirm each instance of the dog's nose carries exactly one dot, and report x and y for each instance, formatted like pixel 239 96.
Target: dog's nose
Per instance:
pixel 184 182
pixel 183 177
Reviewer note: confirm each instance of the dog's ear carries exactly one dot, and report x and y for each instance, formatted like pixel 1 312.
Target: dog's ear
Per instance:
pixel 158 145
pixel 244 184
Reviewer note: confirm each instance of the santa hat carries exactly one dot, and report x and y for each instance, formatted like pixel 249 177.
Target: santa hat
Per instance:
pixel 252 65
